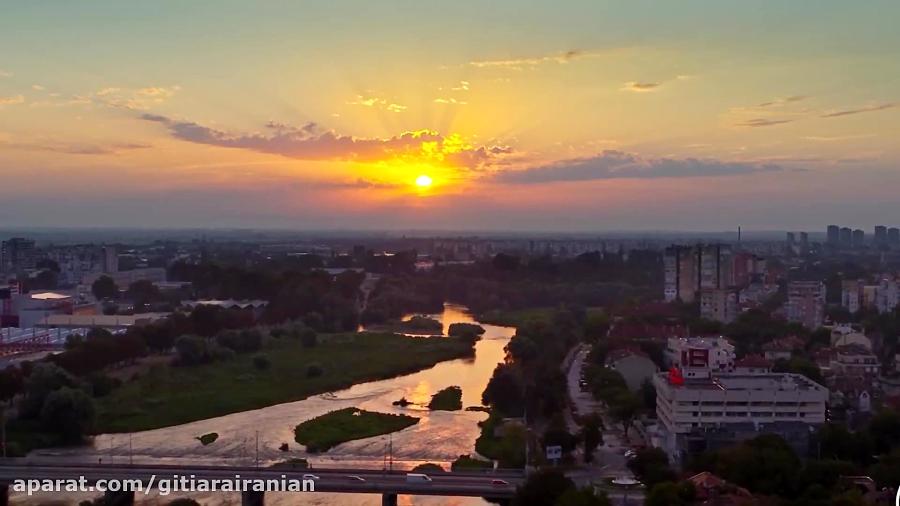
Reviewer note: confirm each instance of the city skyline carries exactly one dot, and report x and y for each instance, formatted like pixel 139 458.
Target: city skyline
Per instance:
pixel 582 117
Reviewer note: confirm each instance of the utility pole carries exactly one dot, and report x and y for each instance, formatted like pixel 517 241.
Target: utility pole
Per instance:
pixel 391 450
pixel 130 450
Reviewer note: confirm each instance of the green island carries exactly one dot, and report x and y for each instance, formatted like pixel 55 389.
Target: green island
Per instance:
pixel 168 395
pixel 448 399
pixel 331 429
pixel 416 325
pixel 208 439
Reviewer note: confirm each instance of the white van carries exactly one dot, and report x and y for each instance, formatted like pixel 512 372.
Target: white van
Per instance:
pixel 417 478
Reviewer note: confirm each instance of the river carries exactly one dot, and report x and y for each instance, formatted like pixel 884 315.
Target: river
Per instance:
pixel 439 437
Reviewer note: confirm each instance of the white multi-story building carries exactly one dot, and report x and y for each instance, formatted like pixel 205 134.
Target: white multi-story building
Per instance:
pixel 806 303
pixel 886 295
pixel 696 414
pixel 709 399
pixel 699 357
pixel 719 304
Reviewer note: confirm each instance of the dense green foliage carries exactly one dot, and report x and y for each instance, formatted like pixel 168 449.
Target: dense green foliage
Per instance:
pixel 173 395
pixel 448 399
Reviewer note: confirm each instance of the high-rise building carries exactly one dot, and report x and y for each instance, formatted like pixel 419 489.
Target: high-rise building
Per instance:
pixel 109 260
pixel 880 236
pixel 688 269
pixel 846 237
pixel 719 304
pixel 859 238
pixel 893 235
pixel 852 295
pixel 834 234
pixel 680 273
pixel 806 303
pixel 790 239
pixel 17 254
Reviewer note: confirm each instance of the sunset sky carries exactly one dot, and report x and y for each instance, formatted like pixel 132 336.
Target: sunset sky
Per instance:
pixel 570 115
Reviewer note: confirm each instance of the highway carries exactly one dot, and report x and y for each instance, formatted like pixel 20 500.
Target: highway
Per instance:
pixel 469 484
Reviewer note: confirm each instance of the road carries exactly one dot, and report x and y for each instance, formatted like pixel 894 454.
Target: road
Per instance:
pixel 609 459
pixel 366 481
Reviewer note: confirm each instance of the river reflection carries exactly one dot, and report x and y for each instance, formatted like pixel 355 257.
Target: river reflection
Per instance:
pixel 439 436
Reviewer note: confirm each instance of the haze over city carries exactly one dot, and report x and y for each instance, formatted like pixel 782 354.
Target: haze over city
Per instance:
pixel 505 115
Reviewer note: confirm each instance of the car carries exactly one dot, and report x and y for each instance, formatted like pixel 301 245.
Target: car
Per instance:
pixel 499 483
pixel 354 477
pixel 630 454
pixel 310 477
pixel 418 477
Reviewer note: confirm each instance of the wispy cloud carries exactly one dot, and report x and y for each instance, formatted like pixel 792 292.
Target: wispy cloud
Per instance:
pixel 463 86
pixel 4 73
pixel 848 112
pixel 533 61
pixel 376 102
pixel 836 138
pixel 77 148
pixel 12 100
pixel 612 164
pixel 449 100
pixel 309 142
pixel 640 87
pixel 783 101
pixel 764 122
pixel 358 184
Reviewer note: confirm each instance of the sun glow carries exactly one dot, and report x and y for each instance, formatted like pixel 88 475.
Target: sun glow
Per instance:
pixel 423 181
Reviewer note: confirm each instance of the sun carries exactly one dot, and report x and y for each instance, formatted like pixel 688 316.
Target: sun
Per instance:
pixel 423 181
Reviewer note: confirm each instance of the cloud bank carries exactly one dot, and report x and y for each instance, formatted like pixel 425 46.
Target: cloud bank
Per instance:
pixel 309 142
pixel 612 164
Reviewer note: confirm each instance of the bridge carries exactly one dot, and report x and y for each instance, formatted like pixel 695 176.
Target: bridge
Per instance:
pixel 492 484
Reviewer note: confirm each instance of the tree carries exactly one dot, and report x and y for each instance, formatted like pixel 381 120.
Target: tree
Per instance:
pixel 143 292
pixel 593 436
pixel 44 378
pixel 11 382
pixel 765 464
pixel 671 494
pixel 261 362
pixel 504 391
pixel 624 407
pixel 582 497
pixel 192 350
pixel 651 466
pixel 69 413
pixel 542 488
pixel 105 288
pixel 309 338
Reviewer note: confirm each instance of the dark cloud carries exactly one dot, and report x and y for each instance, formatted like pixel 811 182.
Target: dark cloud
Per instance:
pixel 78 149
pixel 763 122
pixel 309 142
pixel 619 165
pixel 639 87
pixel 848 112
pixel 360 183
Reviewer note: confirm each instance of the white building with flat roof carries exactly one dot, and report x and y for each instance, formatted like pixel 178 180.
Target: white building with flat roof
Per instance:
pixel 699 357
pixel 721 408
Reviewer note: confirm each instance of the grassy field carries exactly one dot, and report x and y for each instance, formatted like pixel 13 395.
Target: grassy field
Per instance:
pixel 168 396
pixel 331 429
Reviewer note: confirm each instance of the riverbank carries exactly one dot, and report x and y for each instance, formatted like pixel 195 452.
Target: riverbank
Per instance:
pixel 168 396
